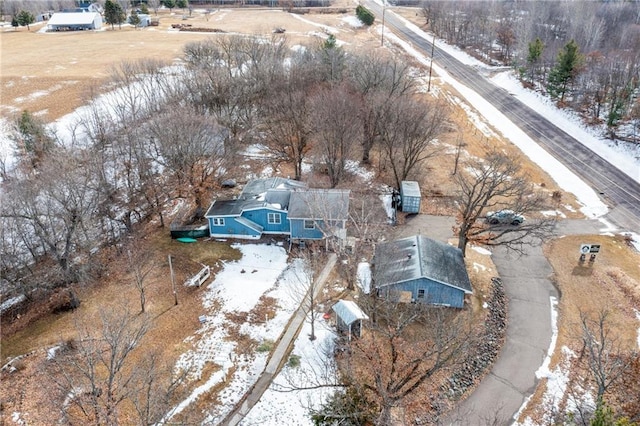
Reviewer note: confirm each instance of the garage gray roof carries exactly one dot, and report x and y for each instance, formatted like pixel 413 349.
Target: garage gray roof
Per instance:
pixel 272 193
pixel 320 204
pixel 420 257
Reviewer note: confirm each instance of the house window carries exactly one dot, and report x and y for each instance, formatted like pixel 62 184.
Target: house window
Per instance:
pixel 421 293
pixel 309 224
pixel 274 218
pixel 218 221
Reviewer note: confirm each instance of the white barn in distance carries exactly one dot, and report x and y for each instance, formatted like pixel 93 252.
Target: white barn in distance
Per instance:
pixel 74 21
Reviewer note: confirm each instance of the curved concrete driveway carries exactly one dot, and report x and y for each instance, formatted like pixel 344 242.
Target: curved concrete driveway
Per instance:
pixel 528 287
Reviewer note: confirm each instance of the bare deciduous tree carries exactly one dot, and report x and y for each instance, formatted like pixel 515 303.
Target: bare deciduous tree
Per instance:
pixel 603 353
pixel 494 183
pixel 408 138
pixel 378 81
pixel 190 145
pixel 96 373
pixel 55 210
pixel 406 346
pixel 304 292
pixel 334 129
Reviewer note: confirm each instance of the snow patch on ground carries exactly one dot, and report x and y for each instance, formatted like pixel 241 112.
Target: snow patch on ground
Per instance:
pixel 364 277
pixel 16 417
pixel 481 250
pixel 292 407
pixel 237 288
pixel 478 267
pixel 326 28
pixel 357 169
pixel 352 21
pixel 552 213
pixel 7 154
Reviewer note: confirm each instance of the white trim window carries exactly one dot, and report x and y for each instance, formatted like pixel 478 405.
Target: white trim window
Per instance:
pixel 218 221
pixel 274 219
pixel 309 224
pixel 421 293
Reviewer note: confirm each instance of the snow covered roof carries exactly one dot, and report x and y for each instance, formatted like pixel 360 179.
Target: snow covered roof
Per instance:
pixel 74 18
pixel 420 257
pixel 349 312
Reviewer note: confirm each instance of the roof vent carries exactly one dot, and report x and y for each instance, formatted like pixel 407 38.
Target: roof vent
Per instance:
pixel 409 255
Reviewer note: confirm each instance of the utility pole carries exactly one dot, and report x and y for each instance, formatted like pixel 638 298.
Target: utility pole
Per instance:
pixel 384 9
pixel 173 283
pixel 433 46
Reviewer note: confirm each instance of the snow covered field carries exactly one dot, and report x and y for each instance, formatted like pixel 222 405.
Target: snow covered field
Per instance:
pixel 263 270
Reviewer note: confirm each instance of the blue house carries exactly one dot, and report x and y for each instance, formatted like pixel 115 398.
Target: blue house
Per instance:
pixel 419 269
pixel 279 206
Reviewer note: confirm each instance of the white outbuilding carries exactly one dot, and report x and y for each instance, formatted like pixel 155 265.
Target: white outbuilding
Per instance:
pixel 74 21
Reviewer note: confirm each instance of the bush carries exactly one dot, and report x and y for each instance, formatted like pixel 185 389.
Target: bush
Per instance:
pixel 265 346
pixel 365 15
pixel 294 361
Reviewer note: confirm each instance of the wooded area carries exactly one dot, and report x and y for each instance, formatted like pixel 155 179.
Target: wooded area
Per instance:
pixel 586 55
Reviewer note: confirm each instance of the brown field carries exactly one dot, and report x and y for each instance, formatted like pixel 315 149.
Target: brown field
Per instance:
pixel 610 284
pixel 53 74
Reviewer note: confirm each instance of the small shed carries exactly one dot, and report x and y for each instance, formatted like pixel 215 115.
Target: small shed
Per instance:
pixel 145 20
pixel 410 196
pixel 349 318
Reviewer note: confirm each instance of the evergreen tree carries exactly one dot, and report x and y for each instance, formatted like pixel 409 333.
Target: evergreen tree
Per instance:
pixel 134 19
pixel 14 22
pixel 144 9
pixel 566 69
pixel 535 52
pixel 113 13
pixel 182 4
pixel 364 15
pixel 169 4
pixel 25 18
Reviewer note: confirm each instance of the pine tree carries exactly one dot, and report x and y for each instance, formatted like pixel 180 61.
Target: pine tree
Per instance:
pixel 536 48
pixel 566 69
pixel 169 4
pixel 113 13
pixel 134 19
pixel 24 18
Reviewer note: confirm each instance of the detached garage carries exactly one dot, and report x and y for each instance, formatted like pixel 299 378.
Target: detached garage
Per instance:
pixel 74 21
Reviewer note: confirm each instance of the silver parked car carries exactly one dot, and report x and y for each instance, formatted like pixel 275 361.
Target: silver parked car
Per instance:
pixel 505 217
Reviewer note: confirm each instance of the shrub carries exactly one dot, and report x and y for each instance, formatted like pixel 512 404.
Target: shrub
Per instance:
pixel 294 361
pixel 265 346
pixel 365 15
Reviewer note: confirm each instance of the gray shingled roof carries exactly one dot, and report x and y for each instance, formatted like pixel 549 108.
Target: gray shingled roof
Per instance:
pixel 321 204
pixel 420 257
pixel 270 192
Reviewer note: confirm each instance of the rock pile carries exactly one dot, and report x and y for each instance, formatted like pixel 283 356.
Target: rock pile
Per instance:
pixel 486 350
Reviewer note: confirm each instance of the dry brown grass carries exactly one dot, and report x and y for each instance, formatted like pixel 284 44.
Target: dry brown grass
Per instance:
pixel 611 283
pixel 52 74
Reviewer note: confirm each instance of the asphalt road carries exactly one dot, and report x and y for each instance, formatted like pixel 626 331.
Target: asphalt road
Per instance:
pixel 619 191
